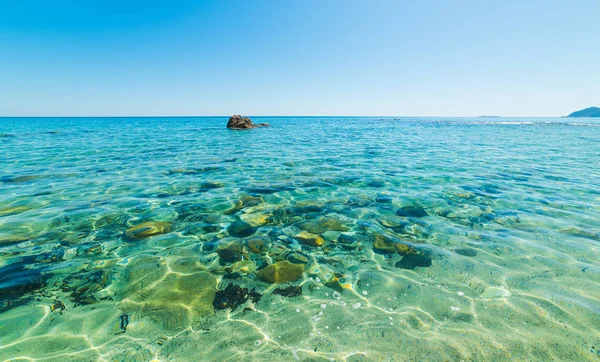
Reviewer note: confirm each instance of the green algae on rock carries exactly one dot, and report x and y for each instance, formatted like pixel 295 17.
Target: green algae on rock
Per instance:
pixel 255 219
pixel 259 244
pixel 241 229
pixel 306 238
pixel 281 272
pixel 147 229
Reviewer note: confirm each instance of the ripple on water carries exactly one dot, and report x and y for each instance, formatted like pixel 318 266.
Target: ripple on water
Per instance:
pixel 291 243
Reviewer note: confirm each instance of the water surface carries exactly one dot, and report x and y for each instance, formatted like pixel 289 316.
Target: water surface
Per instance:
pixel 379 239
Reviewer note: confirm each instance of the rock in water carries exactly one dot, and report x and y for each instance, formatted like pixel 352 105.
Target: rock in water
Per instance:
pixel 411 261
pixel 281 272
pixel 412 211
pixel 147 229
pixel 239 122
pixel 233 296
pixel 306 238
pixel 241 229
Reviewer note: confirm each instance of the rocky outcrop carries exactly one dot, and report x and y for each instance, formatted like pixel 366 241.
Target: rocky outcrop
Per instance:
pixel 239 122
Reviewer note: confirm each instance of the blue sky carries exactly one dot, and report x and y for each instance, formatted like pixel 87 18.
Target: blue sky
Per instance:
pixel 284 57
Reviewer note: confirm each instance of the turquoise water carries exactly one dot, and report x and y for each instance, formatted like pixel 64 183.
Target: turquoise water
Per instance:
pixel 377 239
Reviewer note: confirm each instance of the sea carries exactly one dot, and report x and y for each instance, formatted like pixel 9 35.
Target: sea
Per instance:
pixel 313 239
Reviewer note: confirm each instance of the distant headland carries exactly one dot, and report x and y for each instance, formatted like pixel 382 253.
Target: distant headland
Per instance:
pixel 588 112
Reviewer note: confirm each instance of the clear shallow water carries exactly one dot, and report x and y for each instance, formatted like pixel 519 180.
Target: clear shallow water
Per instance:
pixel 409 239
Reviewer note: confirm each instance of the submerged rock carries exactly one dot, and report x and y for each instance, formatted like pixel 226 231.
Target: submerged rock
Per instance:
pixel 256 219
pixel 412 211
pixel 297 258
pixel 306 238
pixel 411 261
pixel 230 252
pixel 466 252
pixel 19 282
pixel 147 229
pixel 385 245
pixel 281 272
pixel 239 122
pixel 258 244
pixel 383 199
pixel 242 267
pixel 291 291
pixel 347 241
pixel 321 225
pixel 87 288
pixel 19 179
pixel 233 296
pixel 212 185
pixel 241 229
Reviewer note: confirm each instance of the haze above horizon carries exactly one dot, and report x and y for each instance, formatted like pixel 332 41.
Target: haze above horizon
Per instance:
pixel 379 58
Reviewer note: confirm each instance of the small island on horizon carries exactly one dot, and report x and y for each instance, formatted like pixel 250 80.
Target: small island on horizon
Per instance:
pixel 588 112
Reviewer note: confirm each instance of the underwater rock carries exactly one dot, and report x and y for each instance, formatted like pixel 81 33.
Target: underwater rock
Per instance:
pixel 147 229
pixel 18 283
pixel 297 258
pixel 192 171
pixel 19 179
pixel 383 199
pixel 241 229
pixel 242 267
pixel 230 252
pixel 233 296
pixel 212 185
pixel 306 238
pixel 347 241
pixel 358 201
pixel 249 201
pixel 412 211
pixel 214 218
pixel 465 252
pixel 335 281
pixel 291 291
pixel 239 122
pixel 256 219
pixel 404 249
pixel 383 244
pixel 320 225
pixel 281 272
pixel 86 288
pixel 259 244
pixel 411 261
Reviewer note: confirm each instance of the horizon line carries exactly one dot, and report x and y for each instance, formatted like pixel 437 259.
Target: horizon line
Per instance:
pixel 273 116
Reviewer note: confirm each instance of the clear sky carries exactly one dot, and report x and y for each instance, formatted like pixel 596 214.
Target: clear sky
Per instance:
pixel 299 57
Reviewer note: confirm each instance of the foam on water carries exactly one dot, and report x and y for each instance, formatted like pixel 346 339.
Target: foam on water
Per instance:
pixel 394 239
